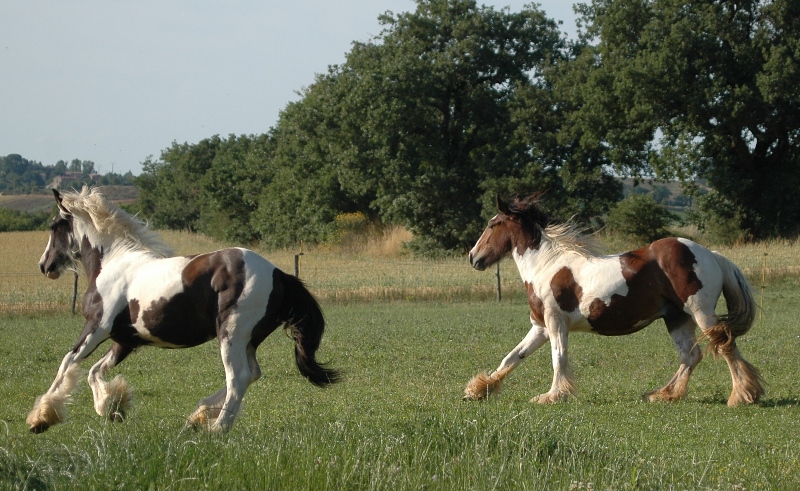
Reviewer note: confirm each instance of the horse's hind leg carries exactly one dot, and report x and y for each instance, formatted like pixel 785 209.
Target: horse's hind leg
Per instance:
pixel 747 382
pixel 237 378
pixel 208 410
pixel 111 399
pixel 748 386
pixel 483 385
pixel 682 331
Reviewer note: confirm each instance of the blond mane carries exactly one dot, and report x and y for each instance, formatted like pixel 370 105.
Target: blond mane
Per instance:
pixel 569 238
pixel 109 219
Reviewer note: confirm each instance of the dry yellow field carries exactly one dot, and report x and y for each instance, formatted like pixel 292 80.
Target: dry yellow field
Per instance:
pixel 332 275
pixel 340 274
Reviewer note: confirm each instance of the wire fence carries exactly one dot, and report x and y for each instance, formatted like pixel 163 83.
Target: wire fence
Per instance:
pixel 338 278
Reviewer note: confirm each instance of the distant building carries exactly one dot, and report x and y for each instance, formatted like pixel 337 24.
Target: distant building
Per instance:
pixel 70 176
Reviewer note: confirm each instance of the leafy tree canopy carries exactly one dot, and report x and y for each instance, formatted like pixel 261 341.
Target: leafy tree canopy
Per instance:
pixel 702 89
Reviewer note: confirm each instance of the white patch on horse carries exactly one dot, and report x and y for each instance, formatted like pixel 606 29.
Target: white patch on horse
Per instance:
pixel 155 282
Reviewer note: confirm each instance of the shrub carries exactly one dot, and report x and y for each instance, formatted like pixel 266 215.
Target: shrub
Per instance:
pixel 639 219
pixel 720 220
pixel 20 221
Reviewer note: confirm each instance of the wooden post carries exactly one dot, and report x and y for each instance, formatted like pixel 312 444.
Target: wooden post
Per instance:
pixel 297 261
pixel 763 285
pixel 499 290
pixel 74 293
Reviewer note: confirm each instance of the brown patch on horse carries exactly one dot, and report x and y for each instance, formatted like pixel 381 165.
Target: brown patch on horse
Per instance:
pixel 566 291
pixel 677 261
pixel 535 303
pixel 660 278
pixel 92 259
pixel 133 308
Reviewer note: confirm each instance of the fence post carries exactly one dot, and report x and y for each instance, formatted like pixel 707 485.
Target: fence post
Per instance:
pixel 74 293
pixel 763 285
pixel 499 290
pixel 297 261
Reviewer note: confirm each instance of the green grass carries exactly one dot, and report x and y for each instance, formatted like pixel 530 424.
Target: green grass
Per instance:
pixel 398 422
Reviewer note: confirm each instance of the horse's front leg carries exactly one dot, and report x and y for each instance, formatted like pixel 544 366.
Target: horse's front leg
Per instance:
pixel 51 407
pixel 563 385
pixel 111 399
pixel 483 385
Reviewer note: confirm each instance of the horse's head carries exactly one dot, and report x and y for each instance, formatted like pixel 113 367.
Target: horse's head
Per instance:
pixel 515 226
pixel 62 247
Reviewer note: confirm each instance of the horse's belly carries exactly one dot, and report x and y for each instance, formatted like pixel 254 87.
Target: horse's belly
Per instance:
pixel 176 322
pixel 622 314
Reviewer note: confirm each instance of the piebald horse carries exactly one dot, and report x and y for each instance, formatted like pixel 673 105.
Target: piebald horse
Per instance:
pixel 139 294
pixel 570 288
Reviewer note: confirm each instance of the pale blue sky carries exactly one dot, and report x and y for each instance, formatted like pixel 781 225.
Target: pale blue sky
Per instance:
pixel 116 81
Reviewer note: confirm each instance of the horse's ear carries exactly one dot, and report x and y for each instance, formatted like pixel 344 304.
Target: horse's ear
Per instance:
pixel 502 206
pixel 58 197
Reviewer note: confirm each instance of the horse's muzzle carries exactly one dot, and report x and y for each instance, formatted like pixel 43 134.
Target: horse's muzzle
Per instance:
pixel 53 274
pixel 479 263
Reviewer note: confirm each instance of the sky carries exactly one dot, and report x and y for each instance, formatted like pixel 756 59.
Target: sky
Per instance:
pixel 116 82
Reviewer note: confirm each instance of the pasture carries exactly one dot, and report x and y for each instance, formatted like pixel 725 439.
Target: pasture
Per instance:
pixel 397 420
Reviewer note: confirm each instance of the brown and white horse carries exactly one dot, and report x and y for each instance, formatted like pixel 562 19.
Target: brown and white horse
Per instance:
pixel 570 288
pixel 139 294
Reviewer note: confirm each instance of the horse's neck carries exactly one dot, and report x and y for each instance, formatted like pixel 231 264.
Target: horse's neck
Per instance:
pixel 534 263
pixel 99 255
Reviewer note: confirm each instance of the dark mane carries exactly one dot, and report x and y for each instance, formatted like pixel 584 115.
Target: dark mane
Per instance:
pixel 565 236
pixel 527 208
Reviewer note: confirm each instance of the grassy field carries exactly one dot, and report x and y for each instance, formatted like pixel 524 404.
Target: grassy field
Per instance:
pixel 397 420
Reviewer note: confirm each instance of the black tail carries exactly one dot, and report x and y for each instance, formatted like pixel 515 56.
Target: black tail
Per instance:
pixel 303 317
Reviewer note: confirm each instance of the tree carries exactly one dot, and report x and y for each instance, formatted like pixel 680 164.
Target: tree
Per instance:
pixel 171 189
pixel 233 184
pixel 87 167
pixel 421 118
pixel 707 89
pixel 211 186
pixel 325 163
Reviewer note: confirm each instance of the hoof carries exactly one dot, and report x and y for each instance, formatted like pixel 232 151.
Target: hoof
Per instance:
pixel 200 419
pixel 39 428
pixel 483 385
pixel 663 395
pixel 548 398
pixel 116 417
